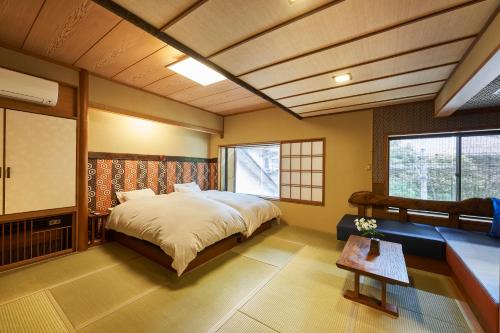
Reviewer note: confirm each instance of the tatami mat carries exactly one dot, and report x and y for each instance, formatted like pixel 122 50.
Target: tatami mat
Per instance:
pixel 241 323
pixel 26 280
pixel 33 313
pixel 87 298
pixel 433 305
pixel 194 304
pixel 272 250
pixel 369 320
pixel 285 280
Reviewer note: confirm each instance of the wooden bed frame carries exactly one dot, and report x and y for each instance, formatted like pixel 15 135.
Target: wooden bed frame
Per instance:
pixel 156 254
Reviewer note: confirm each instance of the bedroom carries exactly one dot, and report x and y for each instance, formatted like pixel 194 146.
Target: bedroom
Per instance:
pixel 199 166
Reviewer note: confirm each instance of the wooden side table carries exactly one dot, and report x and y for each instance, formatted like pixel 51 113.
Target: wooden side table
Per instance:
pixel 97 230
pixel 388 267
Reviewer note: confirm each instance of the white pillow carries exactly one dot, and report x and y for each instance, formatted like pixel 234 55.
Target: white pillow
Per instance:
pixel 126 196
pixel 187 187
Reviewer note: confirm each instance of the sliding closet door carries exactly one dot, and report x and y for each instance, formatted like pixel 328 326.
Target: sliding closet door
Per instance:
pixel 40 161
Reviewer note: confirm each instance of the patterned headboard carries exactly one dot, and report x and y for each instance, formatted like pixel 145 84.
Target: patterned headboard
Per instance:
pixel 109 173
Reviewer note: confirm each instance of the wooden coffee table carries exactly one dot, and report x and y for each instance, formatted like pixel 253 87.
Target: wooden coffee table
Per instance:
pixel 388 267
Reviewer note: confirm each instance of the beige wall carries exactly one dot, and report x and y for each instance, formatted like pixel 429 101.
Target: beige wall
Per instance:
pixel 31 65
pixel 115 133
pixel 119 96
pixel 348 157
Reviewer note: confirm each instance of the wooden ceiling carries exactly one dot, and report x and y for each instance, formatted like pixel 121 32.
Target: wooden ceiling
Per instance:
pixel 395 50
pixel 83 34
pixel 285 51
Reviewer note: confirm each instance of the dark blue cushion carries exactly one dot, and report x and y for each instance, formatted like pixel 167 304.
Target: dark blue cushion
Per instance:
pixel 416 239
pixel 495 226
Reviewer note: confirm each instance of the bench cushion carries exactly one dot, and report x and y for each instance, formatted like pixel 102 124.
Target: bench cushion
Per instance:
pixel 475 261
pixel 480 253
pixel 416 239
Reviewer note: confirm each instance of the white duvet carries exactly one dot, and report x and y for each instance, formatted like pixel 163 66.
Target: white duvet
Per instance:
pixel 253 209
pixel 181 224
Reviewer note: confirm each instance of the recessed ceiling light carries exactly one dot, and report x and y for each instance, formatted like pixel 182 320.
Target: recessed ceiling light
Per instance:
pixel 342 78
pixel 196 71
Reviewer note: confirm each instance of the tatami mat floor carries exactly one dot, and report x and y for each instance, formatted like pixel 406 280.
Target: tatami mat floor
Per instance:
pixel 282 281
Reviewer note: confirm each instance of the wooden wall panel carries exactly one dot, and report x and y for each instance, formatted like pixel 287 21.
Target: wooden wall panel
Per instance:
pixel 157 12
pixel 16 19
pixel 344 21
pixel 423 33
pixel 370 98
pixel 421 59
pixel 429 75
pixel 151 68
pixel 170 85
pixel 125 45
pixel 65 30
pixel 249 16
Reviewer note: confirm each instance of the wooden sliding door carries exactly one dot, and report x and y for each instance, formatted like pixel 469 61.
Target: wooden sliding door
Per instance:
pixel 40 162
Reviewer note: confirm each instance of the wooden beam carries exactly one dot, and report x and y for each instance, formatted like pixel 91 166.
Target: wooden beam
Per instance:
pixel 82 172
pixel 477 69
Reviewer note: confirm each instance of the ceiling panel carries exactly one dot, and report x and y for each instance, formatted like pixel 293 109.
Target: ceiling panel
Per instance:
pixel 442 28
pixel 346 20
pixel 200 91
pixel 157 12
pixel 170 85
pixel 123 46
pixel 151 68
pixel 443 54
pixel 65 30
pixel 250 17
pixel 429 88
pixel 367 106
pixel 18 16
pixel 241 105
pixel 227 96
pixel 429 75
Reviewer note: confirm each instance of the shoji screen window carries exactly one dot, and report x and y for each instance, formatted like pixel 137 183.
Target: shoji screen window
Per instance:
pixel 302 171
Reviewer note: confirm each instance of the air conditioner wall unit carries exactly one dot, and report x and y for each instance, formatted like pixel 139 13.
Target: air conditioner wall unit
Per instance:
pixel 28 88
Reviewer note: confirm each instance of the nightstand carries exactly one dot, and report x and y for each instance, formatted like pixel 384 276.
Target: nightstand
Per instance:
pixel 97 230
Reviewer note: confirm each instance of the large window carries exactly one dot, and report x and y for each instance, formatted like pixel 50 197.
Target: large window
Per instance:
pixel 288 170
pixel 253 169
pixel 445 167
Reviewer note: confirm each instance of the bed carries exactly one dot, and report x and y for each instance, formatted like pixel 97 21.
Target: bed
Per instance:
pixel 183 230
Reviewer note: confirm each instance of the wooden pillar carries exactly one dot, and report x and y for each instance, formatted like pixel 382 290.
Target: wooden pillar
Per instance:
pixel 82 215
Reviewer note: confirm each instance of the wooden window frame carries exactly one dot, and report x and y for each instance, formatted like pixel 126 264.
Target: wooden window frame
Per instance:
pixel 280 143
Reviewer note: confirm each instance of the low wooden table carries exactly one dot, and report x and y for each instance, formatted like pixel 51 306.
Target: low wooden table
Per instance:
pixel 388 267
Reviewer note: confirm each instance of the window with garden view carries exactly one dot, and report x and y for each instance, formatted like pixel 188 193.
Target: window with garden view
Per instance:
pixel 445 167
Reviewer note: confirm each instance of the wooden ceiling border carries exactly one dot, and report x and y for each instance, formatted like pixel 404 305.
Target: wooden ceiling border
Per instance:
pixel 183 14
pixel 396 55
pixel 278 26
pixel 373 79
pixel 368 93
pixel 213 94
pixel 137 21
pixel 471 46
pixel 382 100
pixel 33 23
pixel 364 36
